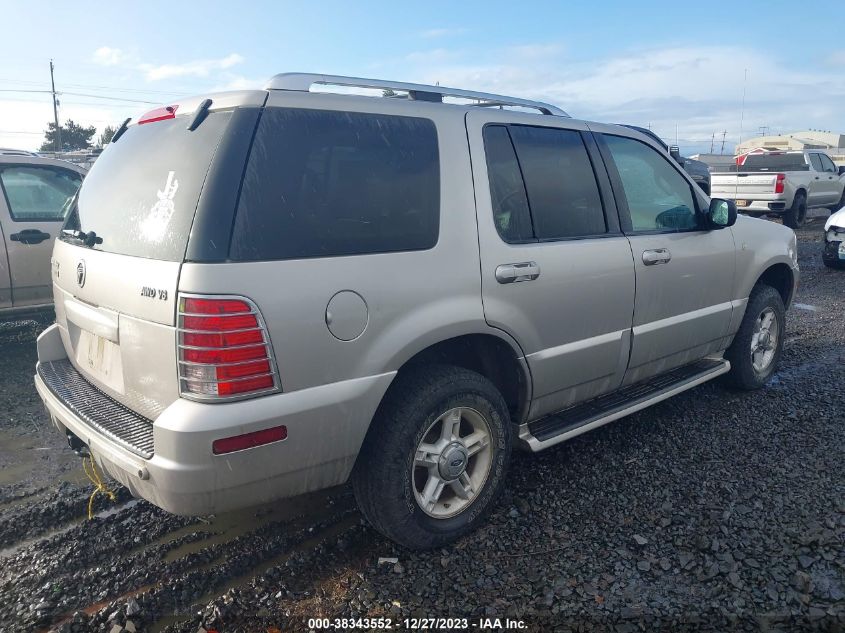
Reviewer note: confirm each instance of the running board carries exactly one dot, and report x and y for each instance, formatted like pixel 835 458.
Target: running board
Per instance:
pixel 584 417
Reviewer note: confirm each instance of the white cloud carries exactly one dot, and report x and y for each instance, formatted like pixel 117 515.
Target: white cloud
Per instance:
pixel 197 68
pixel 107 56
pixel 697 88
pixel 442 32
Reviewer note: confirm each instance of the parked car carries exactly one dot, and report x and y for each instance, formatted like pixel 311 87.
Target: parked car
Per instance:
pixel 698 171
pixel 833 254
pixel 35 196
pixel 264 293
pixel 783 184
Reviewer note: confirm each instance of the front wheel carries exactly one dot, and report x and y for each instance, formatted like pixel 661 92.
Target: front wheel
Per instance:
pixel 756 349
pixel 435 459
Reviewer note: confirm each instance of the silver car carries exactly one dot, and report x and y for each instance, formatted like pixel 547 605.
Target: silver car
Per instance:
pixel 34 196
pixel 264 293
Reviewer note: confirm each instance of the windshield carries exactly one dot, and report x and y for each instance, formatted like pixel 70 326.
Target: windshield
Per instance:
pixel 141 194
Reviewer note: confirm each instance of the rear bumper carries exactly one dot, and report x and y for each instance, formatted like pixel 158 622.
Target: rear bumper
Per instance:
pixel 326 427
pixel 756 202
pixel 833 252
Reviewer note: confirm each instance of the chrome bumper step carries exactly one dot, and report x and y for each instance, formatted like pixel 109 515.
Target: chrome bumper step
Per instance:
pixel 584 417
pixel 104 415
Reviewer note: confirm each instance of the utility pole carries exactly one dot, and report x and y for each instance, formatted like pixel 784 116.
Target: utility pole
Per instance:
pixel 712 141
pixel 55 110
pixel 724 133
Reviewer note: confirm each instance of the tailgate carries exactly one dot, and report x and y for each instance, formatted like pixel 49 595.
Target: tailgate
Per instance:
pixel 116 264
pixel 742 186
pixel 116 317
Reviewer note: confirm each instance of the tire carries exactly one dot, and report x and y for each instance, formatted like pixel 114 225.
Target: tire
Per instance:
pixel 750 369
pixel 389 479
pixel 794 216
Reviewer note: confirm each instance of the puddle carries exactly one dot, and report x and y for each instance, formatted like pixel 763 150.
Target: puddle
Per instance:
pixel 805 306
pixel 225 528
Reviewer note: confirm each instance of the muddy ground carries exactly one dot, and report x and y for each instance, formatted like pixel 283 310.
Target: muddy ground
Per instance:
pixel 716 510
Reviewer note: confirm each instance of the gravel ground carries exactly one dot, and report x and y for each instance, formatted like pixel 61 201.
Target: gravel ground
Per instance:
pixel 713 511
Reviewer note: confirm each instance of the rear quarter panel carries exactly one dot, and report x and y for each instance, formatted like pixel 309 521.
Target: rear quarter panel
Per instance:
pixel 413 299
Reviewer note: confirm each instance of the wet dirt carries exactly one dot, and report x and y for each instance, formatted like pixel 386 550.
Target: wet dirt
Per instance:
pixel 744 476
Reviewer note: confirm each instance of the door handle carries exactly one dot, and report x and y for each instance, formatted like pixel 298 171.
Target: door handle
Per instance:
pixel 512 273
pixel 656 256
pixel 29 236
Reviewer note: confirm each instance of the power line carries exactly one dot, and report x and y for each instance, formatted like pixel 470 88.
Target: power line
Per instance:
pixel 80 94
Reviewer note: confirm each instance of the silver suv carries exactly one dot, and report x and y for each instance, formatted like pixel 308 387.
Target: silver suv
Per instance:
pixel 264 293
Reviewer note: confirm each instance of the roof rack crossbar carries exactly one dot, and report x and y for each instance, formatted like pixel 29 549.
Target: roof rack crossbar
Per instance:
pixel 302 82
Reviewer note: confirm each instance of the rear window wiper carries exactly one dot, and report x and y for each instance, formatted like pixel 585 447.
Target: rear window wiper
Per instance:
pixel 89 239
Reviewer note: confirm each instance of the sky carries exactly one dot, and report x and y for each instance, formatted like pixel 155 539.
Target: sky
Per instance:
pixel 679 67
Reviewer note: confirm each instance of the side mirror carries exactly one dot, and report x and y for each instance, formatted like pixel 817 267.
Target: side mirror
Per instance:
pixel 841 170
pixel 721 213
pixel 675 152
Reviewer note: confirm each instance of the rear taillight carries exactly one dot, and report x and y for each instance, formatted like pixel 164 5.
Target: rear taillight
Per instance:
pixel 224 349
pixel 779 183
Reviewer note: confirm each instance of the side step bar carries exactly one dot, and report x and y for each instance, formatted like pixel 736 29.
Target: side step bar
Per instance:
pixel 584 417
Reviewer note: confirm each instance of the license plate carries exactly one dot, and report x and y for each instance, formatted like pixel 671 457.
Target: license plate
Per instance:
pixel 841 250
pixel 742 203
pixel 100 359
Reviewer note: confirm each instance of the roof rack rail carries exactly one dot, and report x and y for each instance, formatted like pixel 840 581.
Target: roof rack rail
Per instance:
pixel 302 82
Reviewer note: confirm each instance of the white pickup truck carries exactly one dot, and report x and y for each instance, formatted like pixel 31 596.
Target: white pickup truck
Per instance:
pixel 782 184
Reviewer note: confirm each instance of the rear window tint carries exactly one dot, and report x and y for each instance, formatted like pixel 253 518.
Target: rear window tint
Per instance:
pixel 322 183
pixel 772 162
pixel 562 189
pixel 507 190
pixel 141 195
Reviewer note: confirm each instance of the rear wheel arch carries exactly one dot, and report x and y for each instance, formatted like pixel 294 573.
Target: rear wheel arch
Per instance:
pixel 491 356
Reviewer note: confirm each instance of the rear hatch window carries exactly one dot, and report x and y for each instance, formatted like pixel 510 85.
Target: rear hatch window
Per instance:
pixel 141 195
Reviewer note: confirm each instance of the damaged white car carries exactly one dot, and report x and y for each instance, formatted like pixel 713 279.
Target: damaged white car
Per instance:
pixel 834 240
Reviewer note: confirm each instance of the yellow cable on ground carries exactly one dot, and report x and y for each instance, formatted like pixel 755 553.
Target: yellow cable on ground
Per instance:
pixel 94 476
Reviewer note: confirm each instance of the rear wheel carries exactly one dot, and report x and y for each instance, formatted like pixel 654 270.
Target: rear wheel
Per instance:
pixel 756 349
pixel 794 216
pixel 435 458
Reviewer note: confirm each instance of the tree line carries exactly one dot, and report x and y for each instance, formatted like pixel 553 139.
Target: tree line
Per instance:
pixel 74 137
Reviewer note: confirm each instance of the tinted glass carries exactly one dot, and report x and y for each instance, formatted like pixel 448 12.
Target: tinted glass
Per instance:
pixel 773 162
pixel 816 162
pixel 38 193
pixel 658 197
pixel 559 179
pixel 827 164
pixel 141 194
pixel 507 191
pixel 321 183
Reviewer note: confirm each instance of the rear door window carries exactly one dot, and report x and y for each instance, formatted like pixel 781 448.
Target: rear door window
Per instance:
pixel 141 195
pixel 827 164
pixel 38 193
pixel 816 162
pixel 321 183
pixel 561 185
pixel 507 189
